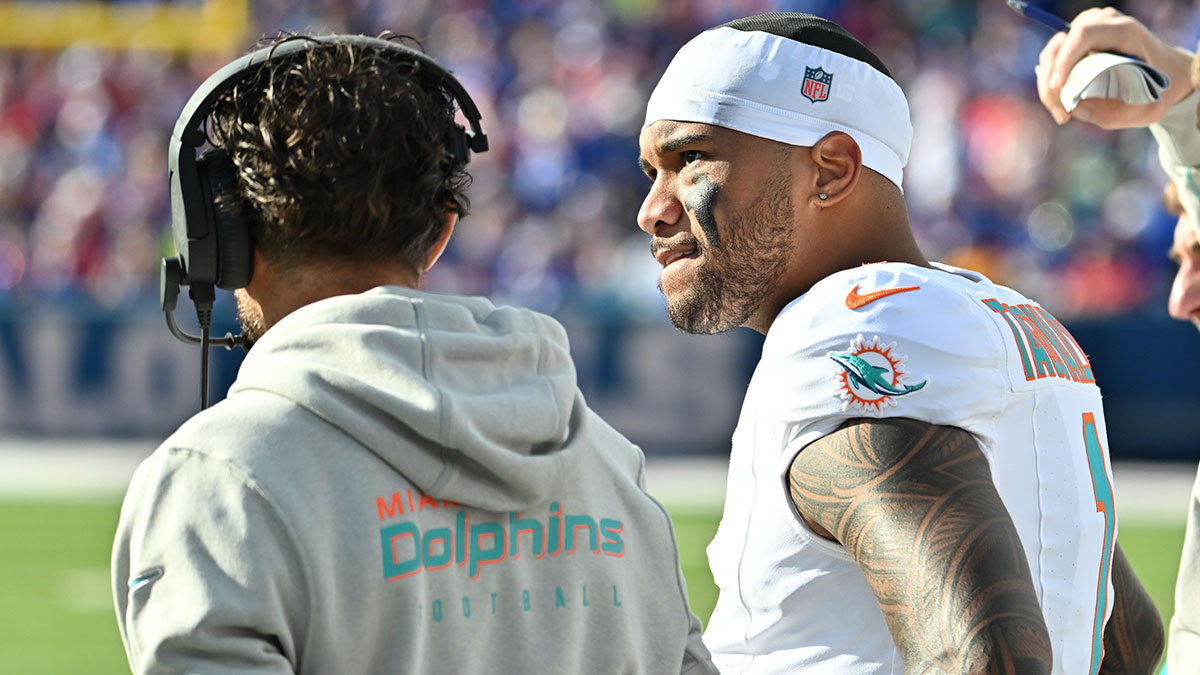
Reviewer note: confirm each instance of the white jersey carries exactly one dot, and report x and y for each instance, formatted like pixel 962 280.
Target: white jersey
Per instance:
pixel 945 346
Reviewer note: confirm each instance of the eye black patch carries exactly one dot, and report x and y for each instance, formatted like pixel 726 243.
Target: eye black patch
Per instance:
pixel 701 201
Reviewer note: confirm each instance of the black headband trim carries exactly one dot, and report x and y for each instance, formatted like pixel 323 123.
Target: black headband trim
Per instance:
pixel 810 30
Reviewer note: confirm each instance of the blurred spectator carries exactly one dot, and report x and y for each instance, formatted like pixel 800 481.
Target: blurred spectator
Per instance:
pixel 561 84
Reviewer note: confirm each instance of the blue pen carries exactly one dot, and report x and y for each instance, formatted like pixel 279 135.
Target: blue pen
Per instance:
pixel 1051 21
pixel 1039 15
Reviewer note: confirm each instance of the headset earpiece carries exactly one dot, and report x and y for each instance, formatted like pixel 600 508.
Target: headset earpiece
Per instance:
pixel 235 253
pixel 460 145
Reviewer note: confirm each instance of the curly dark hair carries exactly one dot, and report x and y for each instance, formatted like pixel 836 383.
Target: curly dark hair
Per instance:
pixel 342 152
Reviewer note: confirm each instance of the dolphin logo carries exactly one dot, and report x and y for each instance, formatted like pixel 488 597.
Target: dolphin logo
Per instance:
pixel 863 375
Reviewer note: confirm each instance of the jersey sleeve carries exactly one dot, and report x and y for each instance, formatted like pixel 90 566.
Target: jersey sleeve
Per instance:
pixel 197 568
pixel 883 341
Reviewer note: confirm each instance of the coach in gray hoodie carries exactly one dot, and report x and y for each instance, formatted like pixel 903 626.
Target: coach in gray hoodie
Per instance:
pixel 399 481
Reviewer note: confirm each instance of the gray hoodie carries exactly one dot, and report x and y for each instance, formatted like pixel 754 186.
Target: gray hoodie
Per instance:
pixel 401 482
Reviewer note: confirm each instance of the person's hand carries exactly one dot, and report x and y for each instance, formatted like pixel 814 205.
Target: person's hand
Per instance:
pixel 1107 30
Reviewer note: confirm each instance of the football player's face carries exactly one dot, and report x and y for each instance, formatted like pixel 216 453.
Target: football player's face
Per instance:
pixel 1184 301
pixel 720 214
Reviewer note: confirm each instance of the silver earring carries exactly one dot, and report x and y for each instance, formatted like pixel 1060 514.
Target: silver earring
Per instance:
pixel 822 196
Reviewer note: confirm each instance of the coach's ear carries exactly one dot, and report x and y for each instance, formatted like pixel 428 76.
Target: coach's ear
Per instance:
pixel 439 246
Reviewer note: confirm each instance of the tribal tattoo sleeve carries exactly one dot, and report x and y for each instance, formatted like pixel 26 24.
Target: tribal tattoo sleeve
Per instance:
pixel 915 505
pixel 1133 637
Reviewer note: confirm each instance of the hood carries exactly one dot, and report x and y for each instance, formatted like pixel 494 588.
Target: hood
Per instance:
pixel 471 402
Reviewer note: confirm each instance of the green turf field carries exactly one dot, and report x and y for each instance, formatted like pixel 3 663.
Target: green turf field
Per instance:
pixel 56 611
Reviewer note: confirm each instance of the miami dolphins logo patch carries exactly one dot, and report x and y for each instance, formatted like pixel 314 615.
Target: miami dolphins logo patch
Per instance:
pixel 872 376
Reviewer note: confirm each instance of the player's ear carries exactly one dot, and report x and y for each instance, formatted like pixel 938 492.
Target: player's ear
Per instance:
pixel 439 246
pixel 838 161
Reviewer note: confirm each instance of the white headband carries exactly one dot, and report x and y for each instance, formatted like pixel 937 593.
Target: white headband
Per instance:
pixel 769 86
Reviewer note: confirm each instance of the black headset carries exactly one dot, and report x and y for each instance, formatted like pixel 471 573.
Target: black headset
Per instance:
pixel 214 247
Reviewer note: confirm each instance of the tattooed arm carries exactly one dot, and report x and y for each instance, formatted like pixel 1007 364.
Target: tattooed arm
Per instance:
pixel 1133 637
pixel 915 505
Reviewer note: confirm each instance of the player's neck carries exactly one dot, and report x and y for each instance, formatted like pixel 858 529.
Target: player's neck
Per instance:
pixel 853 241
pixel 878 230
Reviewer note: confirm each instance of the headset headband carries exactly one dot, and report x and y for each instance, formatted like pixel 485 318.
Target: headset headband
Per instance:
pixel 187 127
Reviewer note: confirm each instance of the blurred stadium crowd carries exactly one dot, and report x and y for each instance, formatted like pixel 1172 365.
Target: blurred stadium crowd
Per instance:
pixel 1070 215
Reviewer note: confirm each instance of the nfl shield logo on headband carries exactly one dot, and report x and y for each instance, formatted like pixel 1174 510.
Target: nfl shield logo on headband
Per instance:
pixel 816 84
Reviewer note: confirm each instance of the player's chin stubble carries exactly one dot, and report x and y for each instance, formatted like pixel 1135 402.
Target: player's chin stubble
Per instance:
pixel 733 278
pixel 250 316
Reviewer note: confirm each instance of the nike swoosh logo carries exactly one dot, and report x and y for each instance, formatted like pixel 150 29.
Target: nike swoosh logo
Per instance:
pixel 854 300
